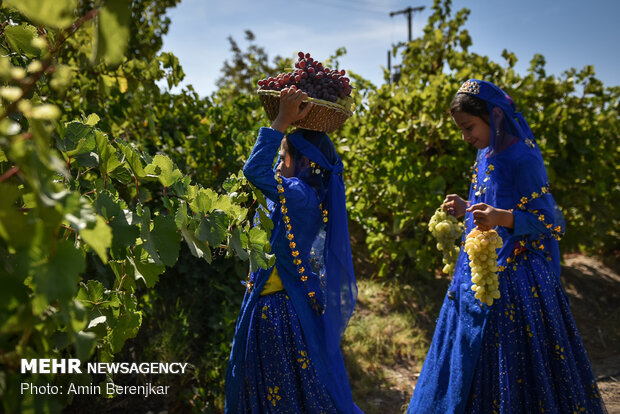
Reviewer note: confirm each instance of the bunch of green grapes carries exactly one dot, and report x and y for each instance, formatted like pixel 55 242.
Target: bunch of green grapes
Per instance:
pixel 446 229
pixel 481 246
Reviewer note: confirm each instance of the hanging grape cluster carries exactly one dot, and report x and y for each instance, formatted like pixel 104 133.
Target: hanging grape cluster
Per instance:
pixel 311 77
pixel 446 229
pixel 481 247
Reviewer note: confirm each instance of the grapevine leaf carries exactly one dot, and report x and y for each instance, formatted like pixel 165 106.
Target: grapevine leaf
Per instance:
pixel 78 212
pixel 112 32
pixel 79 139
pixel 145 234
pixel 107 155
pixel 164 169
pixel 197 247
pixel 85 344
pixel 126 327
pixel 259 247
pixel 166 239
pixel 133 159
pixel 90 293
pixel 92 120
pixel 213 228
pixel 180 217
pixel 122 174
pixel 58 13
pixel 238 242
pixel 20 39
pixel 265 222
pixel 260 197
pixel 57 278
pixel 99 238
pixel 203 200
pixel 223 203
pixel 147 271
pixel 14 227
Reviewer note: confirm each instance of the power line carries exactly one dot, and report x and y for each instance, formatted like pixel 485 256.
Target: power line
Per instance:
pixel 348 7
pixel 408 11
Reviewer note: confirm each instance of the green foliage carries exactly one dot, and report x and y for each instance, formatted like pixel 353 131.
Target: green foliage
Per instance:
pixel 241 74
pixel 89 220
pixel 403 134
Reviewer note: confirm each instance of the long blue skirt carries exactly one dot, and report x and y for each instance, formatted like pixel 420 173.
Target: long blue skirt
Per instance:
pixel 279 375
pixel 530 358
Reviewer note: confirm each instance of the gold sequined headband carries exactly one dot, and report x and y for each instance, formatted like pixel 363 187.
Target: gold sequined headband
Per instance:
pixel 471 87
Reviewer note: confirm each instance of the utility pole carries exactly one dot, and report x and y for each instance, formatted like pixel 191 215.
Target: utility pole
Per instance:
pixel 408 11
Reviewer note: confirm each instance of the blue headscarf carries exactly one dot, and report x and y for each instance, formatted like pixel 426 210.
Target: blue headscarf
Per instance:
pixel 340 292
pixel 512 139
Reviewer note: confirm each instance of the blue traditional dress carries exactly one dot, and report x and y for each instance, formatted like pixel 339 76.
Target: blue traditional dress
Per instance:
pixel 285 355
pixel 522 354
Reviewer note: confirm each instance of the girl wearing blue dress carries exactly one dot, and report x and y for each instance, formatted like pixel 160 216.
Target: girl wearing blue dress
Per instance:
pixel 286 354
pixel 522 354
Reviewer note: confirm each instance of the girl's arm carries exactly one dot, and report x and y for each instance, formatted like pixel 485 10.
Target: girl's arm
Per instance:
pixel 259 168
pixel 533 214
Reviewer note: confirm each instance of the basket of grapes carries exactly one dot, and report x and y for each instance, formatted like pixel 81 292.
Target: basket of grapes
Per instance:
pixel 328 90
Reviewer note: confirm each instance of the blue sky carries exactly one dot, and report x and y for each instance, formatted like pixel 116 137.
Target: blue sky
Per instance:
pixel 568 33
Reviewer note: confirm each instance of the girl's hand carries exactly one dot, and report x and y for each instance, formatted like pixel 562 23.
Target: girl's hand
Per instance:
pixel 454 205
pixel 486 217
pixel 291 108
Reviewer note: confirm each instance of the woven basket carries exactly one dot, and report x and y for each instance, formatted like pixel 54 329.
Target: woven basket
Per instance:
pixel 324 116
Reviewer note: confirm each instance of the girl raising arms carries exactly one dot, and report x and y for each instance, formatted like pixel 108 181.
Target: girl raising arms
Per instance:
pixel 286 354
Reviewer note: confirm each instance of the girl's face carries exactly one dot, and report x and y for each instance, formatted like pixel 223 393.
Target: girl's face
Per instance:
pixel 475 130
pixel 286 168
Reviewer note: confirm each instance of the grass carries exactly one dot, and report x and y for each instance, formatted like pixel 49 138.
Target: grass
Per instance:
pixel 386 342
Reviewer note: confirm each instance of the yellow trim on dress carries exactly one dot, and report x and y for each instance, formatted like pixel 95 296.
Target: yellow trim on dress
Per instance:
pixel 273 284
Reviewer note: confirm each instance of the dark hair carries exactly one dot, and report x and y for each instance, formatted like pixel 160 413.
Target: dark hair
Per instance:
pixel 324 144
pixel 464 102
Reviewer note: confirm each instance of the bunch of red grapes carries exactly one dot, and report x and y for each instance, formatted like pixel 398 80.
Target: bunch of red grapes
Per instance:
pixel 311 77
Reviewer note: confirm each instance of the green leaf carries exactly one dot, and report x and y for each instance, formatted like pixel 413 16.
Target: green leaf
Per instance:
pixel 14 227
pixel 107 154
pixel 112 31
pixel 90 293
pixel 20 39
pixel 166 239
pixel 213 229
pixel 57 13
pixel 99 238
pixel 259 197
pixel 163 168
pixel 239 242
pixel 180 217
pixel 203 200
pixel 57 278
pixel 127 326
pixel 85 345
pixel 147 271
pixel 133 159
pixel 145 234
pixel 198 248
pixel 92 120
pixel 265 221
pixel 79 212
pixel 79 139
pixel 259 247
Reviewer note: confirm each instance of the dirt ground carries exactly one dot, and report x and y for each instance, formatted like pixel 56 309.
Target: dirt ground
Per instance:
pixel 594 295
pixel 594 292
